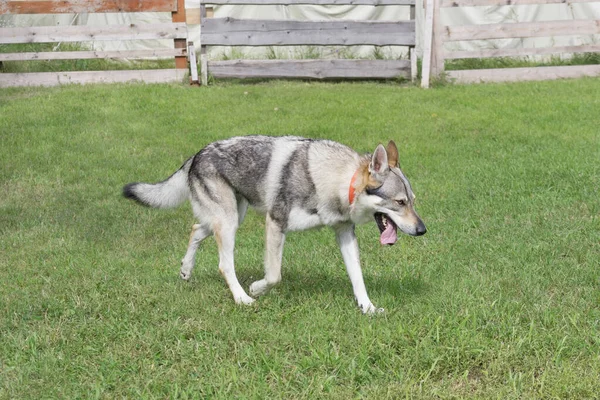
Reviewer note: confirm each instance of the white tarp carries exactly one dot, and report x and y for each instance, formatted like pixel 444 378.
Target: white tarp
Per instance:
pixel 529 13
pixel 450 16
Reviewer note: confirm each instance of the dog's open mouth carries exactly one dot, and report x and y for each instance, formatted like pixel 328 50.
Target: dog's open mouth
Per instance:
pixel 389 230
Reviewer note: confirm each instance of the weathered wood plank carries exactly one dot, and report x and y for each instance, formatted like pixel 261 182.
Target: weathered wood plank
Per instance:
pixel 522 52
pixel 203 54
pixel 437 56
pixel 85 6
pixel 487 3
pixel 317 2
pixel 414 71
pixel 82 33
pixel 236 32
pixel 204 69
pixel 193 63
pixel 523 74
pixel 412 52
pixel 522 30
pixel 83 77
pixel 310 69
pixel 85 55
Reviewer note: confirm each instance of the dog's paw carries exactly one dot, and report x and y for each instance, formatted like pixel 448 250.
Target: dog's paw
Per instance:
pixel 370 309
pixel 244 299
pixel 185 275
pixel 259 288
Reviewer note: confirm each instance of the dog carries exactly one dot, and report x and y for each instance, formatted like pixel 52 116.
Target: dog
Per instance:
pixel 298 184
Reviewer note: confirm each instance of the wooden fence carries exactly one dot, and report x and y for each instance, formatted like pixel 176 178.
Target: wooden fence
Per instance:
pixel 436 34
pixel 241 32
pixel 176 30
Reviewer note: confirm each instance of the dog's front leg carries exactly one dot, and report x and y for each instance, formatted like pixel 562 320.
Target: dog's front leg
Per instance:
pixel 274 240
pixel 346 239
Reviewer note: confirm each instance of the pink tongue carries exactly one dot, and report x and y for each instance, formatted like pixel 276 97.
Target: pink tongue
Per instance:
pixel 389 235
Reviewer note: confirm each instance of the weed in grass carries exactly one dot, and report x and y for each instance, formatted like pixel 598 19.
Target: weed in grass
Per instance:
pixel 233 53
pixel 309 53
pixel 271 53
pixel 585 59
pixel 378 53
pixel 345 53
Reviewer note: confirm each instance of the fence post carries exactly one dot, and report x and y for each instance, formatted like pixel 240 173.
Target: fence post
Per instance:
pixel 412 54
pixel 203 55
pixel 437 57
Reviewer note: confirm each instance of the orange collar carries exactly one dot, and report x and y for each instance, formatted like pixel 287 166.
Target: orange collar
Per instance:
pixel 352 189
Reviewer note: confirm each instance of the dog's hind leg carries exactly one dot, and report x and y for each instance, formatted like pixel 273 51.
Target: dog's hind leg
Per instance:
pixel 224 232
pixel 242 206
pixel 274 241
pixel 199 233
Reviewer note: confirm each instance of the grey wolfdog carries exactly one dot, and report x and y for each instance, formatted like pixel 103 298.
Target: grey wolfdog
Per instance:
pixel 299 184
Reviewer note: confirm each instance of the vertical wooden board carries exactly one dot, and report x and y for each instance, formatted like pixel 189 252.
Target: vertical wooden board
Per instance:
pixel 203 55
pixel 193 62
pixel 179 16
pixel 413 64
pixel 204 69
pixel 437 58
pixel 427 44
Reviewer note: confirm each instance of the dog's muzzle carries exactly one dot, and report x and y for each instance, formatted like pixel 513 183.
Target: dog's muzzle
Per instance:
pixel 421 229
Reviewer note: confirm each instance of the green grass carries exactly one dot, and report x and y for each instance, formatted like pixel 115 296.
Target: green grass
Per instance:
pixel 500 300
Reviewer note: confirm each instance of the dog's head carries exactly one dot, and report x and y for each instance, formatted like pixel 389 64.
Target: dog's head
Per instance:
pixel 386 195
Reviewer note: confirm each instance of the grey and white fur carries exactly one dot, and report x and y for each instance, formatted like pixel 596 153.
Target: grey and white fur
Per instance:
pixel 298 184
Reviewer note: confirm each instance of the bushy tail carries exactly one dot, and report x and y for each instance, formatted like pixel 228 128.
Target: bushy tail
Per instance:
pixel 166 194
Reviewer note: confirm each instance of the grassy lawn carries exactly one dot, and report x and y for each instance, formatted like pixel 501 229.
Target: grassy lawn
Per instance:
pixel 501 298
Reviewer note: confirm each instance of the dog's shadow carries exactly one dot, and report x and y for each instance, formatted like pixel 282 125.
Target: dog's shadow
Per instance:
pixel 304 283
pixel 297 284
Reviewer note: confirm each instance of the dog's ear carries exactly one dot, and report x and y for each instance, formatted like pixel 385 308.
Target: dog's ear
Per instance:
pixel 378 167
pixel 392 154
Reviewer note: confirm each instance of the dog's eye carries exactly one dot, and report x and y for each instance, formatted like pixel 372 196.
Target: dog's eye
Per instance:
pixel 401 203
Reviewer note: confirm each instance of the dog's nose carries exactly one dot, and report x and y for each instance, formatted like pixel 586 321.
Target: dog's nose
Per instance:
pixel 421 230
